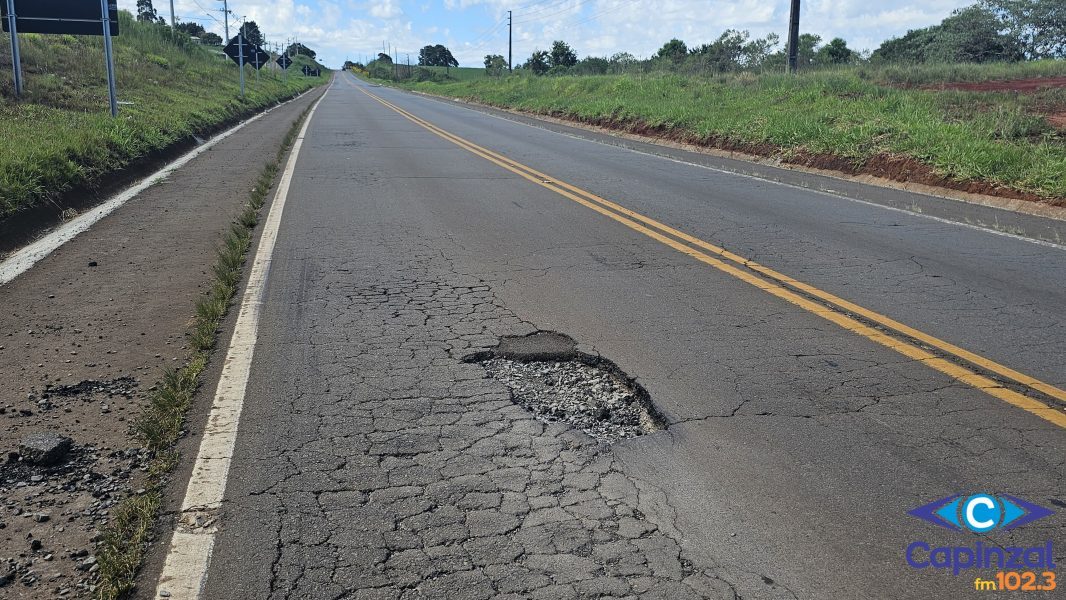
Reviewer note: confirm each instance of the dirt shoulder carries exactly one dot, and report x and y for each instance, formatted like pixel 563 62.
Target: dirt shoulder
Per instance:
pixel 86 333
pixel 1013 85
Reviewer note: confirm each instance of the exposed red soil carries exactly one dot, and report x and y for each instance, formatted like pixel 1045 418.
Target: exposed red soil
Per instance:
pixel 1017 85
pixel 893 167
pixel 1057 120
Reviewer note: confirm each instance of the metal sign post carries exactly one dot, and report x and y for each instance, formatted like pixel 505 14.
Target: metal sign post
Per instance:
pixel 16 63
pixel 284 62
pixel 72 17
pixel 244 53
pixel 108 56
pixel 240 49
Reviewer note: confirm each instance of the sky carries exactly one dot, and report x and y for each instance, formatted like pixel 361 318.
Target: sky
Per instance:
pixel 342 30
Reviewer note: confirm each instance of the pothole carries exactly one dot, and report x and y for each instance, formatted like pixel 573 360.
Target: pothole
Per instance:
pixel 550 378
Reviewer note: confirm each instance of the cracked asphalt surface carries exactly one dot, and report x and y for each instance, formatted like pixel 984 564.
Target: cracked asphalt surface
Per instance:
pixel 373 462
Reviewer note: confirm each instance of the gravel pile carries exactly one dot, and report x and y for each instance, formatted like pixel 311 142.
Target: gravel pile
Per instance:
pixel 44 500
pixel 593 399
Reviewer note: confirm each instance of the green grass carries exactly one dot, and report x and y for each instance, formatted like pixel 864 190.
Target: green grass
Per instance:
pixel 932 74
pixel 993 137
pixel 61 135
pixel 461 73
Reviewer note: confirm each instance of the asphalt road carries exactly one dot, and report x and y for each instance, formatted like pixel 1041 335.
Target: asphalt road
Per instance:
pixel 371 462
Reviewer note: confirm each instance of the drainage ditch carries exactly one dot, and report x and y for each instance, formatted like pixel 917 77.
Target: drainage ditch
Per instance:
pixel 548 377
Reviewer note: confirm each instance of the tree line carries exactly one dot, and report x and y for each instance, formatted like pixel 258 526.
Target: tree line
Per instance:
pixel 988 31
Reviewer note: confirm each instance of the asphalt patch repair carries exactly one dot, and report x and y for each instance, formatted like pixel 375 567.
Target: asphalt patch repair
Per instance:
pixel 550 378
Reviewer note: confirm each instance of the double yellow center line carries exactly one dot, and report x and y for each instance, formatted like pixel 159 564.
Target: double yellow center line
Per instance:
pixel 955 362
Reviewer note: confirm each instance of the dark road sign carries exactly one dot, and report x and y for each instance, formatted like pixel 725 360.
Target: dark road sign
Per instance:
pixel 253 55
pixel 259 58
pixel 234 48
pixel 311 72
pixel 284 61
pixel 75 17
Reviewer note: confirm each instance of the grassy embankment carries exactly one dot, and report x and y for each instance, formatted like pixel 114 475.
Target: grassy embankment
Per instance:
pixel 853 114
pixel 60 134
pixel 459 73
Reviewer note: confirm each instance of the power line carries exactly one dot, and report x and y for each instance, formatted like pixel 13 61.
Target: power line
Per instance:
pixel 550 5
pixel 207 12
pixel 575 6
pixel 594 16
pixel 489 32
pixel 485 39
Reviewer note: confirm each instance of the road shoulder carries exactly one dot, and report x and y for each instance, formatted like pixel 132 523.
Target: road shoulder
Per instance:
pixel 91 329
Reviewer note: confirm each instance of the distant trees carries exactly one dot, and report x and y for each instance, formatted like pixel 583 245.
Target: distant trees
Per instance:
pixel 591 65
pixel 562 56
pixel 734 50
pixel 674 50
pixel 192 28
pixel 559 60
pixel 807 48
pixel 990 30
pixel 211 39
pixel 1039 26
pixel 495 65
pixel 836 52
pixel 436 56
pixel 298 49
pixel 537 63
pixel 621 61
pixel 250 31
pixel 973 34
pixel 146 12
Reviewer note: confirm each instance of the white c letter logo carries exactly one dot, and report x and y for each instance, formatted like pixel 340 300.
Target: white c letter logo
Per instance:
pixel 971 520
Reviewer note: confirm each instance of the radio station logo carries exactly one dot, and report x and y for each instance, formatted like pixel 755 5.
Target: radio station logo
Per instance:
pixel 980 513
pixel 1014 568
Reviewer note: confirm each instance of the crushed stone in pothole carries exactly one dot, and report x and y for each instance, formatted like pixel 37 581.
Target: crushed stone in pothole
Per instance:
pixel 593 398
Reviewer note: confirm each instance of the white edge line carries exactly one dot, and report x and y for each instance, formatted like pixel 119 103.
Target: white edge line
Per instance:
pixel 184 573
pixel 764 179
pixel 24 258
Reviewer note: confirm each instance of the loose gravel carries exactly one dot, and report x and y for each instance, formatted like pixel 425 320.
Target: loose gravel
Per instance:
pixel 590 397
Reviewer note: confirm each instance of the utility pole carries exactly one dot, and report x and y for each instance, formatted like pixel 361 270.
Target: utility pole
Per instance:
pixel 510 27
pixel 173 21
pixel 225 14
pixel 793 37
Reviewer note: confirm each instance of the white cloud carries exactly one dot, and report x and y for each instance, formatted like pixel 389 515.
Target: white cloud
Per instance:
pixel 385 9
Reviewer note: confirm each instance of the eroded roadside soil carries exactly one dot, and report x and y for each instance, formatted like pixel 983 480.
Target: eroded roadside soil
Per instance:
pixel 85 334
pixel 1015 85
